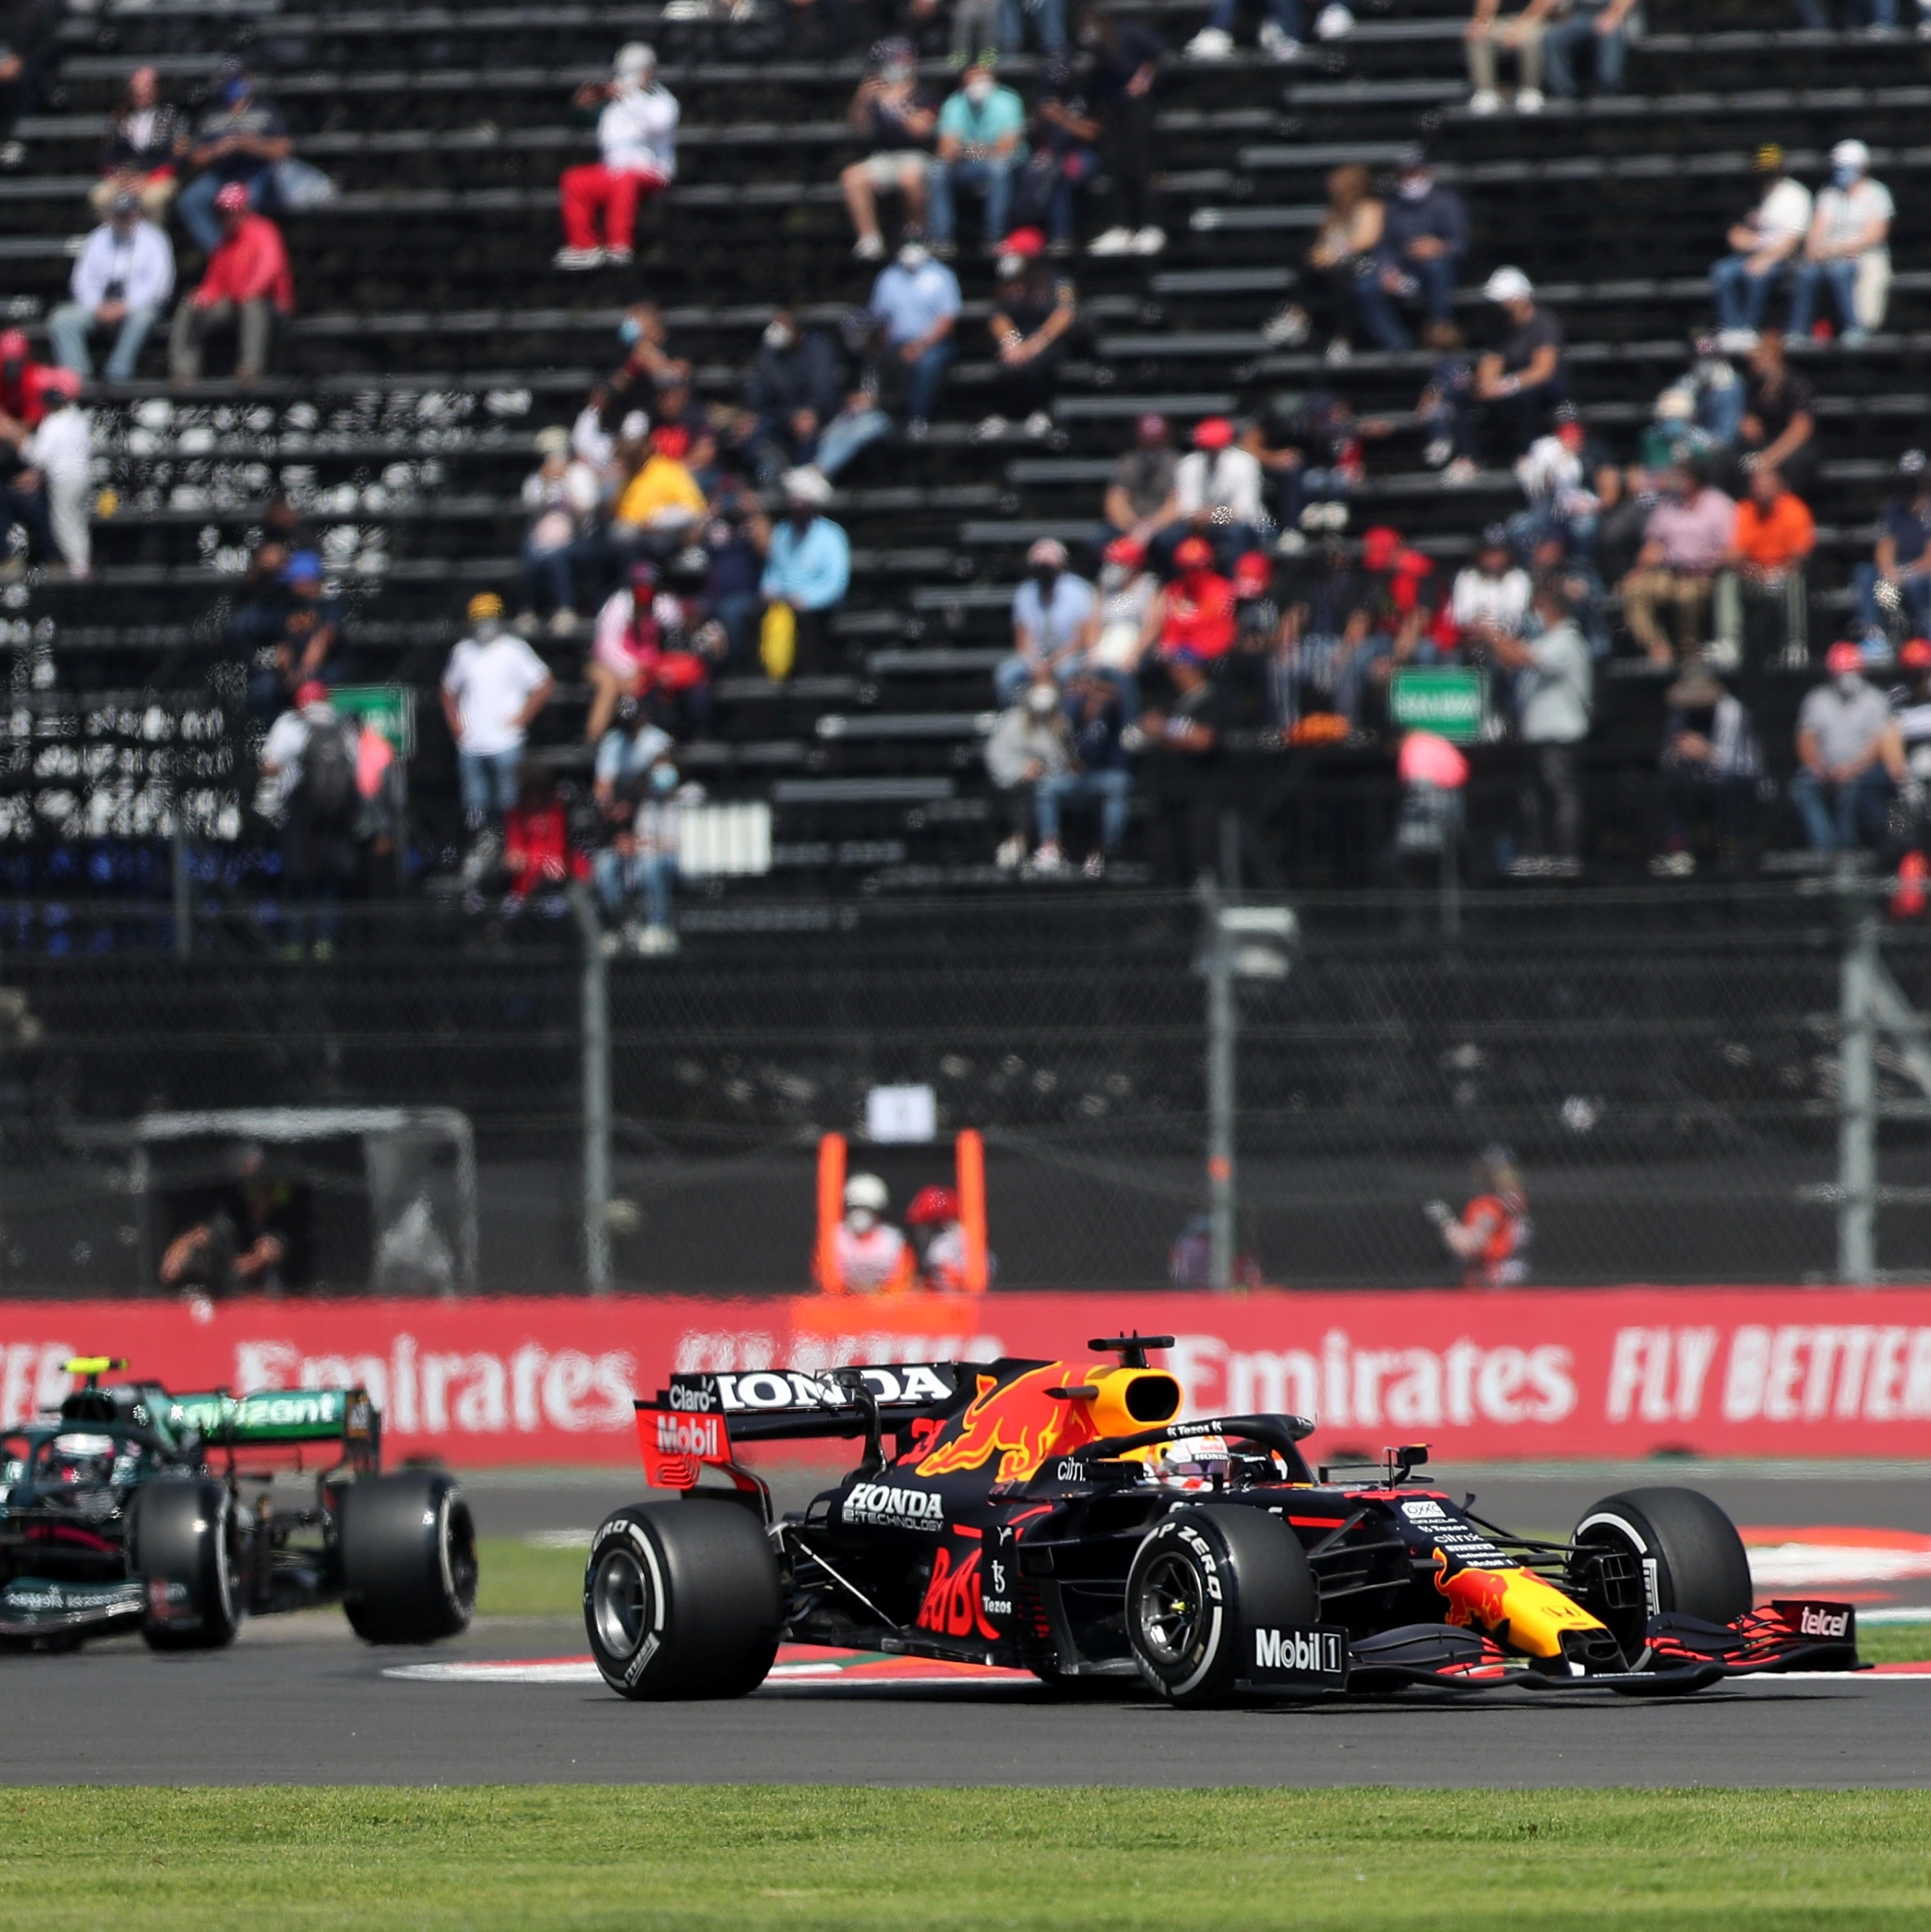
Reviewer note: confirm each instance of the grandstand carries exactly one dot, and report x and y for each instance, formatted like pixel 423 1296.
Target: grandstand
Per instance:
pixel 433 339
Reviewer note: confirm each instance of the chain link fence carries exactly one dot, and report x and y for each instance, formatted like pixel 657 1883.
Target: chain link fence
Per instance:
pixel 1668 1070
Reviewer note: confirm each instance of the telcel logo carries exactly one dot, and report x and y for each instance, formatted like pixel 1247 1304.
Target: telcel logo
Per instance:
pixel 1823 1623
pixel 689 1436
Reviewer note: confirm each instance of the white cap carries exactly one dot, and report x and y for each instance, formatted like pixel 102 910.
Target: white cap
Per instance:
pixel 1507 285
pixel 634 58
pixel 866 1190
pixel 1852 155
pixel 1675 405
pixel 808 484
pixel 634 426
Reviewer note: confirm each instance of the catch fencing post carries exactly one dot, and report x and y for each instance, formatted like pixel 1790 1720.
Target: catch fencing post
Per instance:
pixel 1857 1093
pixel 596 1093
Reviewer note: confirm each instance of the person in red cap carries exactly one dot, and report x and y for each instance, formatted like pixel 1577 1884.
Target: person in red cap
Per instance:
pixel 247 285
pixel 1849 752
pixel 938 1240
pixel 23 385
pixel 1217 489
pixel 1034 307
pixel 1196 614
pixel 1140 500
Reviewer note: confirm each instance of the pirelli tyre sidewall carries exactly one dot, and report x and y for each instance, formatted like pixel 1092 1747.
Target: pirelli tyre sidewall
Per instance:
pixel 1691 1559
pixel 682 1600
pixel 184 1544
pixel 408 1557
pixel 1203 1577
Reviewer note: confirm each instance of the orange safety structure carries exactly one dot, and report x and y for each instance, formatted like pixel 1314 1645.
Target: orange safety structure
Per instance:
pixel 969 1170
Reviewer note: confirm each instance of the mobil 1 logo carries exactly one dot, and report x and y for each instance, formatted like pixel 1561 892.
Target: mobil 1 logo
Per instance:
pixel 1306 1657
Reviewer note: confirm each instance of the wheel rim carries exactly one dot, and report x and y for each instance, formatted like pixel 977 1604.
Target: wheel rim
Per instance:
pixel 620 1602
pixel 1170 1606
pixel 224 1566
pixel 456 1547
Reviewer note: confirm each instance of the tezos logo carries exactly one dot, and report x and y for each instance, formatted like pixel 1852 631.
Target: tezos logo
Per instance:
pixel 1823 1623
pixel 1422 1511
pixel 882 1503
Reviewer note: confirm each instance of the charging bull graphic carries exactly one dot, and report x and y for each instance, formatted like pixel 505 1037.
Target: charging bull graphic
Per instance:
pixel 1018 1422
pixel 1514 1606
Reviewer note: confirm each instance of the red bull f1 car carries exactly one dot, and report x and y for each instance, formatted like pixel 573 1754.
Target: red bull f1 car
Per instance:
pixel 1062 1517
pixel 135 1510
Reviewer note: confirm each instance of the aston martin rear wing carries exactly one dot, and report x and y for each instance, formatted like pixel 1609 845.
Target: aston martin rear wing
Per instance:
pixel 281 1418
pixel 797 1405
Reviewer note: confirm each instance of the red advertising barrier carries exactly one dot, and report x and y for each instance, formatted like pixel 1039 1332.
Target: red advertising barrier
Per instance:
pixel 1615 1372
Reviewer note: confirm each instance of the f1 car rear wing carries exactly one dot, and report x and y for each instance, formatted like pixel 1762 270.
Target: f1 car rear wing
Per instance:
pixel 277 1418
pixel 796 1405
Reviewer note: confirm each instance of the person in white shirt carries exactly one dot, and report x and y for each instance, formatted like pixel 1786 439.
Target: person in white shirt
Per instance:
pixel 494 685
pixel 122 280
pixel 1762 246
pixel 1554 695
pixel 1848 248
pixel 58 448
pixel 636 136
pixel 868 1252
pixel 1491 598
pixel 1217 489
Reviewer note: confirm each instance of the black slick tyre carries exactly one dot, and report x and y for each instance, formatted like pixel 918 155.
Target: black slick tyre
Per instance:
pixel 184 1544
pixel 682 1600
pixel 1687 1552
pixel 408 1557
pixel 1202 1577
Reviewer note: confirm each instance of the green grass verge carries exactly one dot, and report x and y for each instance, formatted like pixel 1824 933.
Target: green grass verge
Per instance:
pixel 1894 1643
pixel 750 1857
pixel 514 1579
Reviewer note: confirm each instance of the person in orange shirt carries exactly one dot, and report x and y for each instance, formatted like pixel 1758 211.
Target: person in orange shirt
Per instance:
pixel 1774 536
pixel 247 284
pixel 1492 1239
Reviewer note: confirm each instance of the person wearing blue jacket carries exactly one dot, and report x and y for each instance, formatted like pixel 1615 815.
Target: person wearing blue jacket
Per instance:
pixel 808 565
pixel 1424 237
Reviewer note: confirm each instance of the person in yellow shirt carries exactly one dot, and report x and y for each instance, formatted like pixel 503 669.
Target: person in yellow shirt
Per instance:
pixel 662 501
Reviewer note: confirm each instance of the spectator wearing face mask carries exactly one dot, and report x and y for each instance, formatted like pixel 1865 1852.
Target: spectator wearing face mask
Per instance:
pixel 1196 617
pixel 1522 380
pixel 637 141
pixel 982 141
pixel 1099 771
pixel 240 139
pixel 1894 588
pixel 916 301
pixel 1125 57
pixel 1424 237
pixel 1847 750
pixel 648 363
pixel 492 688
pixel 869 1255
pixel 1055 622
pixel 1140 501
pixel 1763 246
pixel 793 391
pixel 640 800
pixel 122 281
pixel 658 506
pixel 1685 541
pixel 897 122
pixel 1026 747
pixel 1847 250
pixel 563 544
pixel 147 141
pixel 1129 616
pixel 1771 542
pixel 807 568
pixel 1217 490
pixel 1034 307
pixel 246 285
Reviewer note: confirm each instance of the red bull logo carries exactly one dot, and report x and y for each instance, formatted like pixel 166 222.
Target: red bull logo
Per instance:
pixel 1017 1421
pixel 953 1605
pixel 1522 1610
pixel 1475 1597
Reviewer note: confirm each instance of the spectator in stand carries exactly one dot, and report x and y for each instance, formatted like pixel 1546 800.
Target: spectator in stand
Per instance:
pixel 1687 537
pixel 660 506
pixel 1489 34
pixel 1055 623
pixel 309 761
pixel 859 421
pixel 562 551
pixel 1763 249
pixel 1181 742
pixel 492 688
pixel 627 647
pixel 1347 257
pixel 1554 688
pixel 147 141
pixel 1049 20
pixel 1894 588
pixel 1099 770
pixel 1596 28
pixel 1848 248
pixel 1130 610
pixel 1126 58
pixel 1569 482
pixel 1194 615
pixel 637 143
pixel 793 391
pixel 1034 308
pixel 1140 500
pixel 648 363
pixel 807 569
pixel 736 539
pixel 1778 428
pixel 1711 766
pixel 1522 381
pixel 1446 407
pixel 246 286
pixel 240 141
pixel 897 122
pixel 1217 491
pixel 1279 37
pixel 305 641
pixel 1770 543
pixel 1063 157
pixel 1490 599
pixel 916 300
pixel 23 492
pixel 1426 235
pixel 1027 746
pixel 27 49
pixel 25 384
pixel 59 450
pixel 121 281
pixel 981 142
pixel 640 801
pixel 538 851
pixel 1847 748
